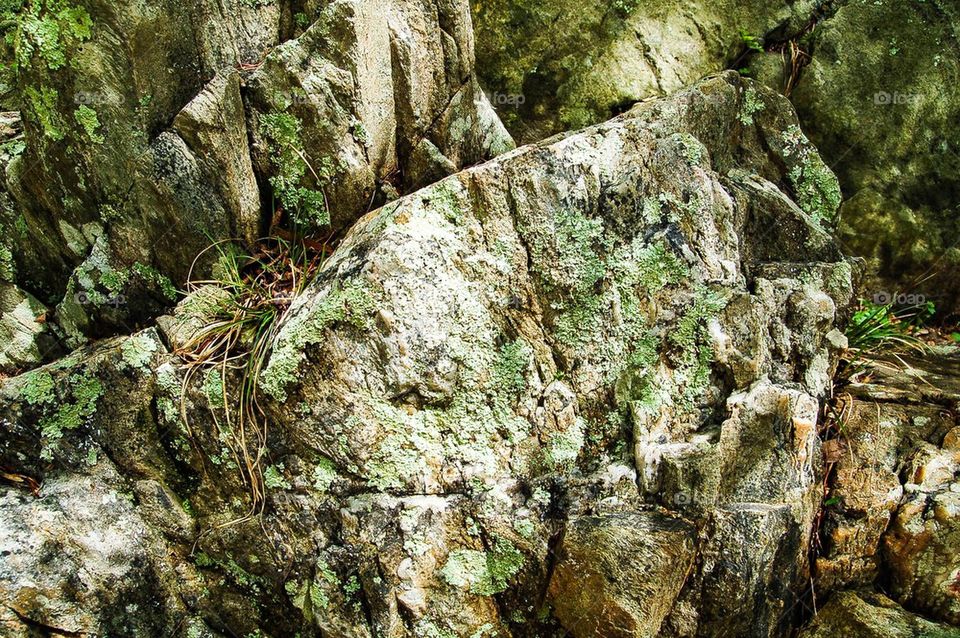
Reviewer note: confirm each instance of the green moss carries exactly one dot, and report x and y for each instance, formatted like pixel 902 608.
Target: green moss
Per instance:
pixel 351 303
pixel 483 573
pixel 88 119
pixel 307 206
pixel 8 268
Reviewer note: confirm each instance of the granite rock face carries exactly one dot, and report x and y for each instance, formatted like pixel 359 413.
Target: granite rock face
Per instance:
pixel 497 389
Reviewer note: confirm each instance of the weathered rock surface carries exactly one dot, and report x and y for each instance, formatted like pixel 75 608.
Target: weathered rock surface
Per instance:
pixel 872 616
pixel 497 389
pixel 139 119
pixel 896 516
pixel 880 98
pixel 577 63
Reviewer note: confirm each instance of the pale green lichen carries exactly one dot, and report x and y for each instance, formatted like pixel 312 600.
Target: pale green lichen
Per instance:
pixel 137 351
pixel 312 597
pixel 8 268
pixel 90 121
pixel 37 388
pixel 273 478
pixel 50 28
pixel 483 573
pixel 72 412
pixel 324 475
pixel 563 448
pixel 690 147
pixel 816 188
pixel 351 303
pixel 752 104
pixel 43 105
pixel 213 387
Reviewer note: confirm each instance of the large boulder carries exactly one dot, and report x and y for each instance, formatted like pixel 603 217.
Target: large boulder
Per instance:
pixel 592 363
pixel 877 91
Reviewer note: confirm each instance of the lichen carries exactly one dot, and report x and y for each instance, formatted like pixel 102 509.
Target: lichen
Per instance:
pixel 43 104
pixel 351 302
pixel 752 104
pixel 815 187
pixel 90 121
pixel 50 28
pixel 273 478
pixel 72 412
pixel 563 448
pixel 213 387
pixel 137 351
pixel 483 573
pixel 324 475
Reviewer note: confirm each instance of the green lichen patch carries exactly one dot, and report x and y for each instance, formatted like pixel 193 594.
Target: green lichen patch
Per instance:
pixel 72 412
pixel 273 478
pixel 351 303
pixel 483 573
pixel 312 597
pixel 137 351
pixel 563 448
pixel 42 103
pixel 51 29
pixel 88 119
pixel 37 388
pixel 816 188
pixel 752 104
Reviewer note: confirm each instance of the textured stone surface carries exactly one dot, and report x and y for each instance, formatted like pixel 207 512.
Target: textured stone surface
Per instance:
pixel 491 390
pixel 871 616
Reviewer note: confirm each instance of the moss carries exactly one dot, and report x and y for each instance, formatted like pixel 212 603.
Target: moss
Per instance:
pixel 8 268
pixel 88 119
pixel 483 573
pixel 306 206
pixel 510 367
pixel 351 303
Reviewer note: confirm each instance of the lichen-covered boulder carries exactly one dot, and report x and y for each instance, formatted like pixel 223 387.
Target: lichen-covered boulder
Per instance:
pixel 561 65
pixel 496 391
pixel 878 94
pixel 139 120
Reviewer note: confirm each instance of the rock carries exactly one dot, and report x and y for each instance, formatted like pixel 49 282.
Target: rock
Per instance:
pixel 570 64
pixel 81 559
pixel 23 331
pixel 871 616
pixel 505 384
pixel 619 575
pixel 893 516
pixel 133 162
pixel 879 99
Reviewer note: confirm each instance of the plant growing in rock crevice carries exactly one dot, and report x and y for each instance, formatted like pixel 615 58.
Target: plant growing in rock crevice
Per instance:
pixel 235 343
pixel 307 207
